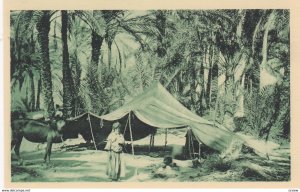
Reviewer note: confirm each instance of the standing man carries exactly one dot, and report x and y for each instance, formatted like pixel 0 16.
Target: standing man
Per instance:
pixel 115 142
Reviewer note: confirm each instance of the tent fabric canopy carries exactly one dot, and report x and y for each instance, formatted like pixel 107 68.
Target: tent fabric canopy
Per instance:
pixel 156 107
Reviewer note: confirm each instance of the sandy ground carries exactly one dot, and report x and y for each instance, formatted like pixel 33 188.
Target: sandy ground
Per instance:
pixel 73 162
pixel 87 165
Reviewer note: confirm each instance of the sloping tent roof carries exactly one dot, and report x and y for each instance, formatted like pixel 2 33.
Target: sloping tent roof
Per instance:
pixel 157 108
pixel 94 127
pixel 90 126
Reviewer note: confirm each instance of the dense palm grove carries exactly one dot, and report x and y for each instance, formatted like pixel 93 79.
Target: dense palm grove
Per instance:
pixel 229 66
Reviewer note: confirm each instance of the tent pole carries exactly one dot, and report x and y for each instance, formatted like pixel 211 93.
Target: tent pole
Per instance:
pixel 189 141
pixel 132 147
pixel 124 133
pixel 153 139
pixel 125 128
pixel 193 148
pixel 199 152
pixel 166 137
pixel 150 143
pixel 92 131
pixel 190 148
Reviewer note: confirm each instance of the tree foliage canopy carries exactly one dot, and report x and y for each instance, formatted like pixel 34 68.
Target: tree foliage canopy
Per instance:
pixel 231 66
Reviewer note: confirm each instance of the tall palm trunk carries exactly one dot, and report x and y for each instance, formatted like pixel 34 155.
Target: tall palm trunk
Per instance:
pixel 76 74
pixel 193 86
pixel 31 76
pixel 161 26
pixel 54 37
pixel 202 85
pixel 93 74
pixel 96 46
pixel 32 93
pixel 209 78
pixel 38 95
pixel 214 77
pixel 161 48
pixel 43 28
pixel 109 53
pixel 68 84
pixel 179 83
pixel 253 22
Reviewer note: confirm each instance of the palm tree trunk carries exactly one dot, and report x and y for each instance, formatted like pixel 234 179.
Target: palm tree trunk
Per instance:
pixel 109 54
pixel 68 84
pixel 76 68
pixel 38 95
pixel 209 79
pixel 93 74
pixel 193 85
pixel 54 37
pixel 161 26
pixel 255 76
pixel 43 28
pixel 265 131
pixel 202 93
pixel 214 77
pixel 32 94
pixel 253 21
pixel 180 83
pixel 96 47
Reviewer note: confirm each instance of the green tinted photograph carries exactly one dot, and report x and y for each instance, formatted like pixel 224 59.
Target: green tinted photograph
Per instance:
pixel 150 95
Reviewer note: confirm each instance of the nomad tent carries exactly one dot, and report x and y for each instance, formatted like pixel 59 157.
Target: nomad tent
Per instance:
pixel 154 109
pixel 157 108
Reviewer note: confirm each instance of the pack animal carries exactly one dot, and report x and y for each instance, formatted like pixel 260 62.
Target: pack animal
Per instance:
pixel 37 132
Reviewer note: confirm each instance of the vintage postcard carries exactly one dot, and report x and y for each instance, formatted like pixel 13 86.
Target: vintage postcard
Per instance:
pixel 143 94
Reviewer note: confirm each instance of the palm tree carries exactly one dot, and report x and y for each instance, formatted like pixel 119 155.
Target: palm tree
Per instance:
pixel 160 18
pixel 111 31
pixel 115 23
pixel 78 47
pixel 25 22
pixel 93 77
pixel 68 84
pixel 43 28
pixel 42 21
pixel 23 59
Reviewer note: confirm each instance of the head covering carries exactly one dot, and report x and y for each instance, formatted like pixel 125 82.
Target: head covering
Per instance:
pixel 116 125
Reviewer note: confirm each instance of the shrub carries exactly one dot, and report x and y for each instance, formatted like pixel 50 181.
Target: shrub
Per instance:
pixel 216 163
